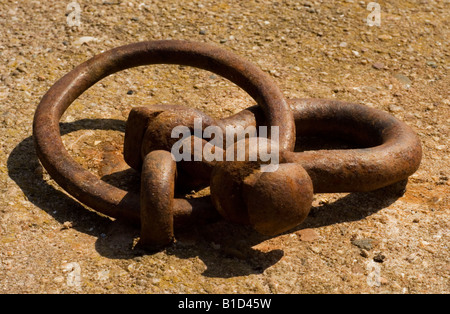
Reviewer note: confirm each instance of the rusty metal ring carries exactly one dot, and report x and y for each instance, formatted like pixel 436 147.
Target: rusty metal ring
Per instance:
pixel 389 150
pixel 108 199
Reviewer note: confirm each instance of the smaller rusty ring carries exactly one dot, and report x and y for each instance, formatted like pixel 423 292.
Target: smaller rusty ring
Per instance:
pixel 391 150
pixel 157 199
pixel 88 188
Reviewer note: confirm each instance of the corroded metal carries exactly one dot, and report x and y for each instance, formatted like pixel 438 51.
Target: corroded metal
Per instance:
pixel 390 151
pixel 272 202
pixel 101 196
pixel 157 198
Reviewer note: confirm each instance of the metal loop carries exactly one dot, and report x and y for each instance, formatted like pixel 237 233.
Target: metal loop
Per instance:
pixel 89 189
pixel 391 151
pixel 273 202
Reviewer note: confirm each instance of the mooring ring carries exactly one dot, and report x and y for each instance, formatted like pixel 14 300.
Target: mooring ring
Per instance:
pixel 88 188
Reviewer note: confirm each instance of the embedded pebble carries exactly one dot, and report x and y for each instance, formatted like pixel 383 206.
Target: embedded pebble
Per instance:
pixel 366 244
pixel 378 65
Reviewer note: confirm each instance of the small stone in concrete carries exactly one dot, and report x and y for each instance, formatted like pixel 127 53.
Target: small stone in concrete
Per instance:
pixel 308 235
pixel 364 244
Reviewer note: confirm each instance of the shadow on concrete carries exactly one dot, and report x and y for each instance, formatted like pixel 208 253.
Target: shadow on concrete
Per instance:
pixel 226 249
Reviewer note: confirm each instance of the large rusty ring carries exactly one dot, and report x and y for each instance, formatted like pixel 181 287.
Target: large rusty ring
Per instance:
pixel 108 199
